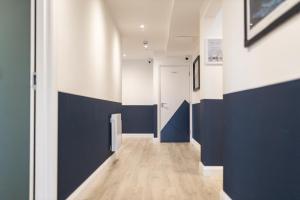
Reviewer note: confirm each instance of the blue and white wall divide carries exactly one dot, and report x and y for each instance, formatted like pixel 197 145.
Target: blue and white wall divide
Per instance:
pixel 175 106
pixel 139 114
pixel 87 56
pixel 211 93
pixel 195 105
pixel 183 107
pixel 262 110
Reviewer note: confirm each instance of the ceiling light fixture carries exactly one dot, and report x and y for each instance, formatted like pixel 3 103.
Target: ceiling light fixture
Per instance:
pixel 142 26
pixel 124 55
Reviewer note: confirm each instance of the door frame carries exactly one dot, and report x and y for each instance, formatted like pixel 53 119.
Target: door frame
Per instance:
pixel 45 169
pixel 32 98
pixel 159 96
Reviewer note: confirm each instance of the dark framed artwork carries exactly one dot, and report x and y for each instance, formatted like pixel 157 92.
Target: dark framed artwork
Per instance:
pixel 196 74
pixel 263 16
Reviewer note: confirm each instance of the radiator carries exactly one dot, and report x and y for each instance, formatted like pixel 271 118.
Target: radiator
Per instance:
pixel 116 132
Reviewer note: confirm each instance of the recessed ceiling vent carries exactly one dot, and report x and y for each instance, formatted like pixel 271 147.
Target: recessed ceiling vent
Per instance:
pixel 184 36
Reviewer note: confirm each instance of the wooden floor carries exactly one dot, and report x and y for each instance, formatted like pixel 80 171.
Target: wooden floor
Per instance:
pixel 145 170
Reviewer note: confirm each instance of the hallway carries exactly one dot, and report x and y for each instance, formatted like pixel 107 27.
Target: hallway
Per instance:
pixel 149 100
pixel 153 171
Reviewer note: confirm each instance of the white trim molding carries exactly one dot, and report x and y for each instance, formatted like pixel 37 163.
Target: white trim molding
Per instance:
pixel 155 140
pixel 224 196
pixel 93 178
pixel 211 170
pixel 135 135
pixel 196 144
pixel 32 101
pixel 46 105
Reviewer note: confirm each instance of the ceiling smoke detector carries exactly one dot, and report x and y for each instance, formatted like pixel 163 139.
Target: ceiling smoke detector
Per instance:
pixel 146 44
pixel 149 60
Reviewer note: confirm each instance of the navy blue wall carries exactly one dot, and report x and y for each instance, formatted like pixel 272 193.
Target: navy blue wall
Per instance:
pixel 262 143
pixel 139 118
pixel 196 122
pixel 177 128
pixel 83 139
pixel 155 120
pixel 212 132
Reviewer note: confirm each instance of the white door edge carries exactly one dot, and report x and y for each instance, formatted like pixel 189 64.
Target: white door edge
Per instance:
pixel 46 105
pixel 32 101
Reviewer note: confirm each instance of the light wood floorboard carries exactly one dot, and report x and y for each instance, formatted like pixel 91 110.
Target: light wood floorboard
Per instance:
pixel 145 170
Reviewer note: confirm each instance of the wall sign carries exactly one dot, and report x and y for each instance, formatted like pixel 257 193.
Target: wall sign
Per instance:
pixel 262 16
pixel 214 53
pixel 196 74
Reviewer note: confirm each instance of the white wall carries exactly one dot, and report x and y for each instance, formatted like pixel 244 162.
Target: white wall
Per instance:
pixel 78 52
pixel 211 78
pixel 273 59
pixel 87 49
pixel 137 82
pixel 195 95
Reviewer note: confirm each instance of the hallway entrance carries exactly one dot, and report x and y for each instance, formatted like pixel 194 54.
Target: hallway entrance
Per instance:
pixel 144 170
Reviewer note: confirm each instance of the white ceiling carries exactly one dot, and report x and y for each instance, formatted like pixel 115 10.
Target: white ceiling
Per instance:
pixel 171 26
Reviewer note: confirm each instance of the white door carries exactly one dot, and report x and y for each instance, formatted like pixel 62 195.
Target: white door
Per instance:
pixel 175 97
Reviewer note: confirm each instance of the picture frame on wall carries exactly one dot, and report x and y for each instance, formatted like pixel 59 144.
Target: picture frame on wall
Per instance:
pixel 213 51
pixel 196 74
pixel 263 16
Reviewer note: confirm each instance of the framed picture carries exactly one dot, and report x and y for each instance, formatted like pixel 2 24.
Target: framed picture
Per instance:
pixel 213 51
pixel 196 74
pixel 263 16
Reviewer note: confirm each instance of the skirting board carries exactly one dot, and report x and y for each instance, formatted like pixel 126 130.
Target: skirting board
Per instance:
pixel 211 170
pixel 131 135
pixel 155 140
pixel 92 178
pixel 196 144
pixel 224 196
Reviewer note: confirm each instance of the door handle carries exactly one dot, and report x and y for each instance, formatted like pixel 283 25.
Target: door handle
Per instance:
pixel 163 105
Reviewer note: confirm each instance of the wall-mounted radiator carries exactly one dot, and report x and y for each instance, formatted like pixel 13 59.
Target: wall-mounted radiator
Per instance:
pixel 116 132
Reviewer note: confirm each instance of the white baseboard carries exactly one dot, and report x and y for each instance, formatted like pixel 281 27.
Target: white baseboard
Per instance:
pixel 196 144
pixel 92 178
pixel 211 170
pixel 224 196
pixel 135 135
pixel 155 140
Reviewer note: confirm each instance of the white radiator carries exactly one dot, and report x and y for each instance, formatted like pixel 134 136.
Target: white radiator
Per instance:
pixel 116 132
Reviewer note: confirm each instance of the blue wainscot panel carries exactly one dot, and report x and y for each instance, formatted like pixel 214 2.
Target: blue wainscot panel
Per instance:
pixel 196 122
pixel 262 143
pixel 155 120
pixel 177 128
pixel 138 119
pixel 83 139
pixel 212 132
